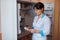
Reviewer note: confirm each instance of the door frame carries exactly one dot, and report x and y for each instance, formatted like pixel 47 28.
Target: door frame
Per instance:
pixel 56 21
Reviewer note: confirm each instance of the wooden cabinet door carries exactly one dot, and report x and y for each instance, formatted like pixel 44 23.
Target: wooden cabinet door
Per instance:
pixel 0 36
pixel 59 16
pixel 56 20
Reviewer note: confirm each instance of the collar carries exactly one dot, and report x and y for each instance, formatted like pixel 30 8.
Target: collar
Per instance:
pixel 42 15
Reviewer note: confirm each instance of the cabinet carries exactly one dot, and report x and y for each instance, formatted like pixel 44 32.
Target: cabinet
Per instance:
pixel 49 11
pixel 27 14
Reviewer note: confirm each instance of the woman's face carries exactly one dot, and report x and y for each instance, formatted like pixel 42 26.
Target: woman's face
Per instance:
pixel 38 12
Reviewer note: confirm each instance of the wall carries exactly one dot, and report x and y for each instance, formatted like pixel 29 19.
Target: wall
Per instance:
pixel 0 22
pixel 0 15
pixel 9 19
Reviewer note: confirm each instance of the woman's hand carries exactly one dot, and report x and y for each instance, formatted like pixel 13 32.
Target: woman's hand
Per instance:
pixel 36 31
pixel 33 31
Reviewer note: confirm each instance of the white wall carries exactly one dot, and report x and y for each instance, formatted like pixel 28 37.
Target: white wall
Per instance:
pixel 9 19
pixel 0 15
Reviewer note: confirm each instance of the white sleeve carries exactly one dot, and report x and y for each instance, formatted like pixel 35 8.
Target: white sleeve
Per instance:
pixel 47 25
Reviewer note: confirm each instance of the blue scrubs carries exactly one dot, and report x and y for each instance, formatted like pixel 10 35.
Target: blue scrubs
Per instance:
pixel 43 25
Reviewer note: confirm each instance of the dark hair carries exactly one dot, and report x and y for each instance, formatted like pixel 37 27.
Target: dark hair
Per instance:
pixel 39 6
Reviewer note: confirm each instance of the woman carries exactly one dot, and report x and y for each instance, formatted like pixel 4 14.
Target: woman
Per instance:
pixel 41 23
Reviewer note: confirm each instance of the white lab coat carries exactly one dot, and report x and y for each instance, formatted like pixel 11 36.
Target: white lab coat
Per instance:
pixel 43 25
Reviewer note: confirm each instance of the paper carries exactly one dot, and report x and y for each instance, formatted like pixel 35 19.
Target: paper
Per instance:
pixel 26 28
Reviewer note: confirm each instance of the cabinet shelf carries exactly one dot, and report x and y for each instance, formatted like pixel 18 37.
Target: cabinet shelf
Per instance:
pixel 48 10
pixel 25 8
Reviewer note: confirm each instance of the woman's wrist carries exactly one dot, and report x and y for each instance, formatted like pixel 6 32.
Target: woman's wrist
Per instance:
pixel 36 31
